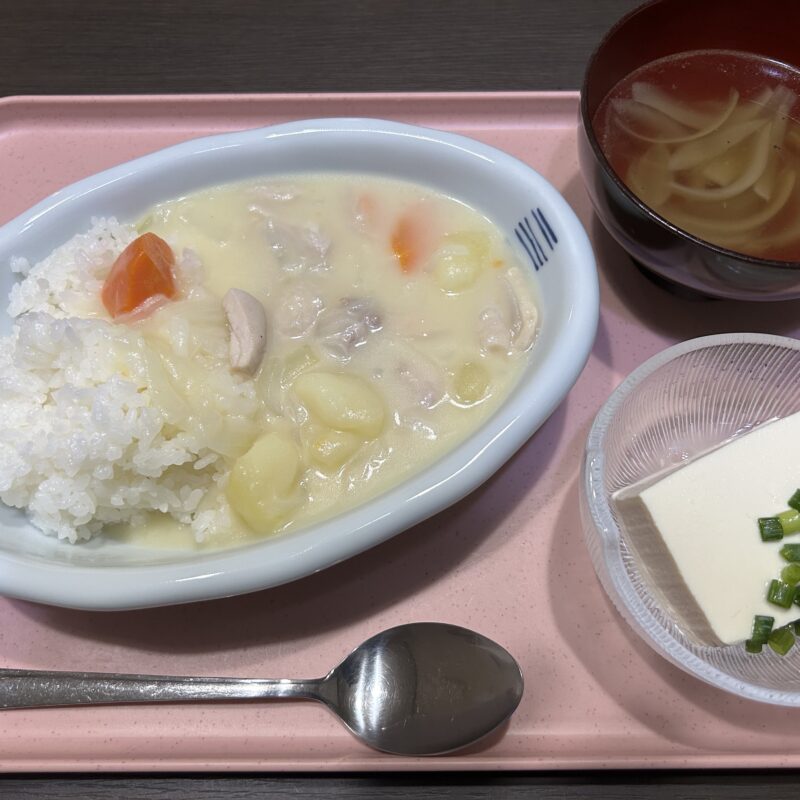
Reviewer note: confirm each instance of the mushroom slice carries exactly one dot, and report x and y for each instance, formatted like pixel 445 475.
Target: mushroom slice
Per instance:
pixel 248 323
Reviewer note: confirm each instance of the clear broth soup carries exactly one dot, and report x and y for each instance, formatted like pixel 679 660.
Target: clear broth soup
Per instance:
pixel 710 140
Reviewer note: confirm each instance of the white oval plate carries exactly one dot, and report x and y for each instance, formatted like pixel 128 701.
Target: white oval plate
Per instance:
pixel 544 231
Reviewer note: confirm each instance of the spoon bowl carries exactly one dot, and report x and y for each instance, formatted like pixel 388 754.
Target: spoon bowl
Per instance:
pixel 420 689
pixel 427 687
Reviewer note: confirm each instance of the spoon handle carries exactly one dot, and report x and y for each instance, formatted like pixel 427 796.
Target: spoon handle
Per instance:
pixel 25 688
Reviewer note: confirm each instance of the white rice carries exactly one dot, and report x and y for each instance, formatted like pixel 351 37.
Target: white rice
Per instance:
pixel 68 281
pixel 84 440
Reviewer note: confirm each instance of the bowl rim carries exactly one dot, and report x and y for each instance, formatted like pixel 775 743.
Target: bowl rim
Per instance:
pixel 595 501
pixel 239 570
pixel 588 127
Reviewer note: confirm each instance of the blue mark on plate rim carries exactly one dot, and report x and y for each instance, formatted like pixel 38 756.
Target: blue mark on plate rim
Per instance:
pixel 532 242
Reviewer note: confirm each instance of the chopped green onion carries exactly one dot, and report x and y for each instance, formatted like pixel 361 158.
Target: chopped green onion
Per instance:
pixel 780 594
pixel 790 521
pixel 781 641
pixel 770 528
pixel 762 628
pixel 791 574
pixel 791 552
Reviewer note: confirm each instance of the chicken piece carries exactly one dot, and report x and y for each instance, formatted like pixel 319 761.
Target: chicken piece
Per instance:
pixel 298 249
pixel 421 377
pixel 343 328
pixel 248 323
pixel 297 310
pixel 494 332
pixel 512 320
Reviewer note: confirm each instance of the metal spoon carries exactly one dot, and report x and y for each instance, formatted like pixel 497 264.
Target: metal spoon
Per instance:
pixel 418 689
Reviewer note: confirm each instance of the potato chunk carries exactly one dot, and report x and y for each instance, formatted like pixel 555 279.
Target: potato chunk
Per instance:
pixel 470 383
pixel 459 260
pixel 262 487
pixel 342 402
pixel 331 449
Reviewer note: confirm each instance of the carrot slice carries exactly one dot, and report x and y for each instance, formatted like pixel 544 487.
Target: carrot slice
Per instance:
pixel 143 270
pixel 411 238
pixel 367 210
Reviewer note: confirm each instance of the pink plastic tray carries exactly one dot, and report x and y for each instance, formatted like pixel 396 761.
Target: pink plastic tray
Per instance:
pixel 508 561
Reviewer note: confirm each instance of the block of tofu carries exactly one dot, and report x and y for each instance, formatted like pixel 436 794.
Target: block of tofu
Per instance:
pixel 694 532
